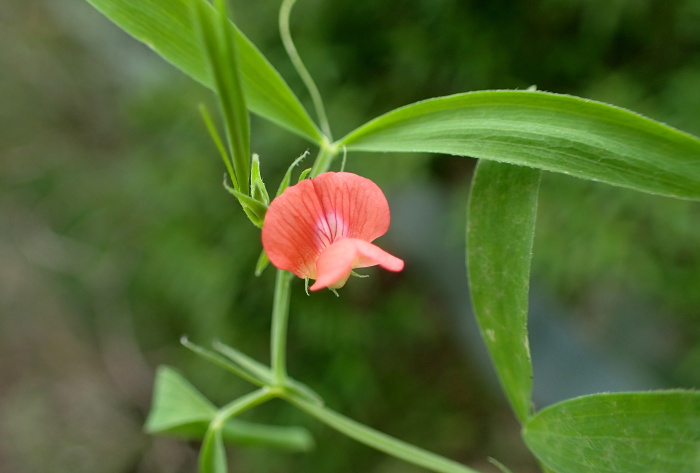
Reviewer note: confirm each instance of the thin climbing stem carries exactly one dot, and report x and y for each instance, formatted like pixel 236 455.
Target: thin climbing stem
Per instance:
pixel 285 12
pixel 280 316
pixel 323 159
pixel 242 404
pixel 378 440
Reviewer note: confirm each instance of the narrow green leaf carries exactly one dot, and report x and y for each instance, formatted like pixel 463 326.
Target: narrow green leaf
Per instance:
pixel 296 439
pixel 176 403
pixel 212 456
pixel 263 262
pixel 226 364
pixel 499 465
pixel 500 230
pixel 650 432
pixel 247 434
pixel 254 209
pixel 303 174
pixel 258 190
pixel 559 133
pixel 218 142
pixel 263 372
pixel 239 358
pixel 166 27
pixel 220 50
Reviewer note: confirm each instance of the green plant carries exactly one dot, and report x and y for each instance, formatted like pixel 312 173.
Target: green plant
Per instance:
pixel 514 134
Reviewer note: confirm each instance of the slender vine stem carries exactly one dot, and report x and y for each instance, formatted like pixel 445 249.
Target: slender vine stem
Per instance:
pixel 285 12
pixel 323 161
pixel 378 440
pixel 280 316
pixel 242 404
pixel 212 456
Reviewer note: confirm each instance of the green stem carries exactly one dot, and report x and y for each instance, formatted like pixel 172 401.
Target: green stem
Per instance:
pixel 242 404
pixel 280 316
pixel 285 12
pixel 324 159
pixel 378 440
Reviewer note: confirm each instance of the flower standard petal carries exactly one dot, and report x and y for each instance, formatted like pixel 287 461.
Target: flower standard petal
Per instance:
pixel 337 261
pixel 354 206
pixel 289 234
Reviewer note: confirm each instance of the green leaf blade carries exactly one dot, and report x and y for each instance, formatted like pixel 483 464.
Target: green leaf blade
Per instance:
pixel 220 50
pixel 651 432
pixel 293 439
pixel 249 434
pixel 558 133
pixel 176 403
pixel 227 364
pixel 166 27
pixel 500 231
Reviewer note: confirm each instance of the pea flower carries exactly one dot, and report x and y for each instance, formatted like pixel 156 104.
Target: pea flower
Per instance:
pixel 322 228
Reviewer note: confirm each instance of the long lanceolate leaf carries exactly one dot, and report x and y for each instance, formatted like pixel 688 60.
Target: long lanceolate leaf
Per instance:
pixel 219 47
pixel 166 27
pixel 500 230
pixel 652 432
pixel 560 133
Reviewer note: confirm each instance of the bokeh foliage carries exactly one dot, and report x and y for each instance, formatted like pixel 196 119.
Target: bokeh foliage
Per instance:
pixel 117 238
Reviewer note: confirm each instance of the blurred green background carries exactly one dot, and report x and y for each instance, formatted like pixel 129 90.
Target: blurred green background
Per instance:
pixel 116 236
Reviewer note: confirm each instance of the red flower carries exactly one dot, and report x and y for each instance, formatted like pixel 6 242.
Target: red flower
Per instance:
pixel 322 228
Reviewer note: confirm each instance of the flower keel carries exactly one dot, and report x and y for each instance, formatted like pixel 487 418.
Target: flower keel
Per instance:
pixel 337 261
